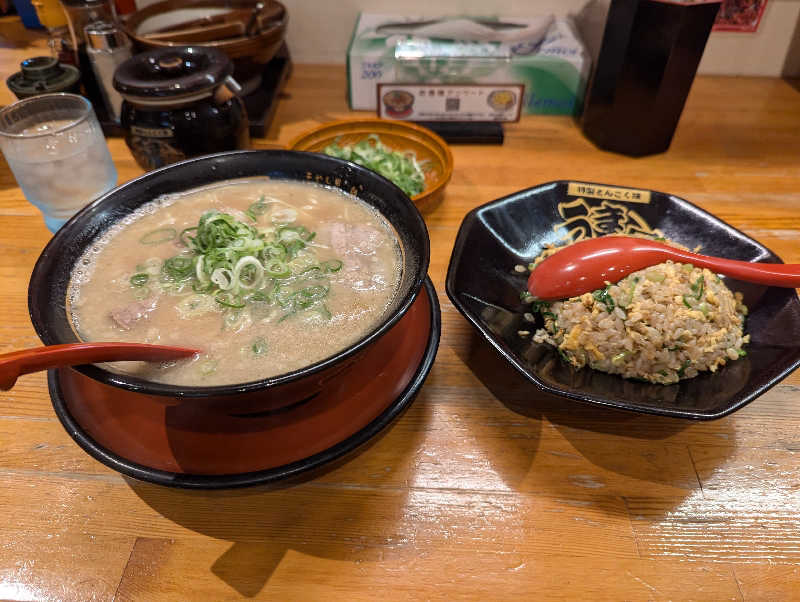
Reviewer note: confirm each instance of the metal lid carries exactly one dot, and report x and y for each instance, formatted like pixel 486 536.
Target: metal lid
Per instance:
pixel 42 75
pixel 174 73
pixel 86 3
pixel 105 36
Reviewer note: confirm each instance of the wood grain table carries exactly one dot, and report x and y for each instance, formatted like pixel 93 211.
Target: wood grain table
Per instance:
pixel 482 490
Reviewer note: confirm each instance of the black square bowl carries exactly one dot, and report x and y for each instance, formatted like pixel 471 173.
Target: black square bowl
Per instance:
pixel 482 284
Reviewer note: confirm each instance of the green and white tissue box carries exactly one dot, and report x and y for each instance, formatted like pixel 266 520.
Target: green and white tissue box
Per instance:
pixel 543 53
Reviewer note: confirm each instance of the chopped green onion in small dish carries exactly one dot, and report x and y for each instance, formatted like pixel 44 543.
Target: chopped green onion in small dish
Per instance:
pixel 402 168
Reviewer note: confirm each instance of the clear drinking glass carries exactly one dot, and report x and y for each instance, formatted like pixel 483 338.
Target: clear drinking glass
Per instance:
pixel 55 148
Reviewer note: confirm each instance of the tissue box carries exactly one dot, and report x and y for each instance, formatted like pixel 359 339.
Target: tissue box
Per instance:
pixel 544 54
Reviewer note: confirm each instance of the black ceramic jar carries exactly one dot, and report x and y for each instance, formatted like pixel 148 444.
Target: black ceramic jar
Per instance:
pixel 179 103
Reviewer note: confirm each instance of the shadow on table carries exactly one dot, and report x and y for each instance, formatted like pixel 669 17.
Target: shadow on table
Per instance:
pixel 633 445
pixel 791 64
pixel 264 523
pixel 793 82
pixel 517 444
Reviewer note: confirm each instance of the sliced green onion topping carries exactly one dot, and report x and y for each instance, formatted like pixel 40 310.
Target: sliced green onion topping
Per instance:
pixel 184 236
pixel 333 265
pixel 277 269
pixel 223 278
pixel 604 297
pixel 257 208
pixel 402 168
pixel 237 265
pixel 228 300
pixel 259 346
pixel 538 306
pixel 258 297
pixel 248 272
pixel 140 279
pixel 156 237
pixel 699 287
pixel 179 267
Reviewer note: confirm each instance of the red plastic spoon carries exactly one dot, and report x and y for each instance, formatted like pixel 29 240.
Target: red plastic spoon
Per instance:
pixel 587 265
pixel 17 363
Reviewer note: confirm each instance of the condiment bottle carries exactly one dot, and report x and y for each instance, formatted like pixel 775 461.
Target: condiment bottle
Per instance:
pixel 107 47
pixel 180 102
pixel 82 12
pixel 79 14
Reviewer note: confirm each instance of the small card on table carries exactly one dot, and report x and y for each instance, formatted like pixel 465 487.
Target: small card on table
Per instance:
pixel 450 102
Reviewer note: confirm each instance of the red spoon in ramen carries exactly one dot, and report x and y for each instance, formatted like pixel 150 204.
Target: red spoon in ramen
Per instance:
pixel 587 265
pixel 17 363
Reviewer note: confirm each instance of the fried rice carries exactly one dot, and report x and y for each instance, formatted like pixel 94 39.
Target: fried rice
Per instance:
pixel 661 324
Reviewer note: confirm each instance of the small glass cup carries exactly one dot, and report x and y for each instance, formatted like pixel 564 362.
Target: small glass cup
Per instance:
pixel 56 150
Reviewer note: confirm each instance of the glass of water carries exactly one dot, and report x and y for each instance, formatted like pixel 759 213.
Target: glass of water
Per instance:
pixel 55 147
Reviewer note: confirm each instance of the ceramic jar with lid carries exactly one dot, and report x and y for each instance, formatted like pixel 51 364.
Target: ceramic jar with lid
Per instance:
pixel 179 103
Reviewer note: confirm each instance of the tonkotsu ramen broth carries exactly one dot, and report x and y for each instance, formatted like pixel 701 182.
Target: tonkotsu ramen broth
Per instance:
pixel 265 276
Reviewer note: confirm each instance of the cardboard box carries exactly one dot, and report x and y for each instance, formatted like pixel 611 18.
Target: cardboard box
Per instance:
pixel 544 54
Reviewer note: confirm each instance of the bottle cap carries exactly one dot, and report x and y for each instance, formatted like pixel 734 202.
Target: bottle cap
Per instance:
pixel 105 36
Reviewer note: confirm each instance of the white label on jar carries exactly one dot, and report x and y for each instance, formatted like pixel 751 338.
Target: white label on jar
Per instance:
pixel 151 132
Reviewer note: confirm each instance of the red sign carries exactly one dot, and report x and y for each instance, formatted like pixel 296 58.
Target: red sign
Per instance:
pixel 739 15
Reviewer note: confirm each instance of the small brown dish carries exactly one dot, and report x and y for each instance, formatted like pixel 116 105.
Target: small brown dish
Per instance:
pixel 397 135
pixel 236 27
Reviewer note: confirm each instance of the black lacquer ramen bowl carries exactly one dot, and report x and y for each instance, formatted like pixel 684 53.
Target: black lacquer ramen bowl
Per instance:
pixel 50 280
pixel 483 285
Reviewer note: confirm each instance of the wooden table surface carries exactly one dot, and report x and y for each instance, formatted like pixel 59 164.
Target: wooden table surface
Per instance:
pixel 476 492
